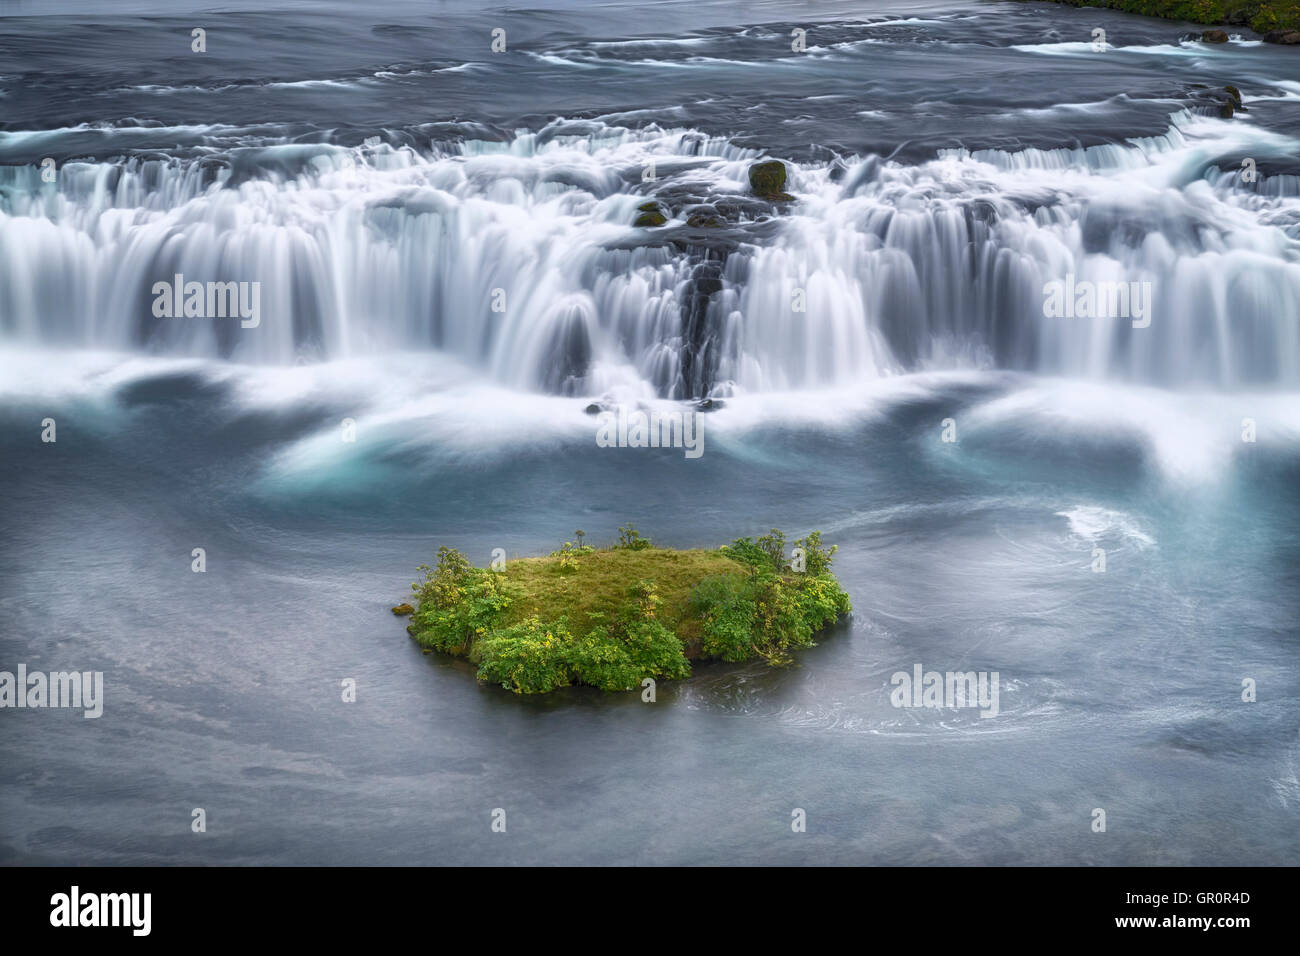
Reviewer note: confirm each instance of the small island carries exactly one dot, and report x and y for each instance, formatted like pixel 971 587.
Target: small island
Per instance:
pixel 612 617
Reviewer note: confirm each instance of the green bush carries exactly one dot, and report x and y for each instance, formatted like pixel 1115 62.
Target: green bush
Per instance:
pixel 726 608
pixel 745 550
pixel 772 611
pixel 654 652
pixel 821 599
pixel 599 659
pixel 761 610
pixel 529 657
pixel 457 603
pixel 773 545
pixel 631 539
pixel 817 560
pixel 533 657
pixel 1261 15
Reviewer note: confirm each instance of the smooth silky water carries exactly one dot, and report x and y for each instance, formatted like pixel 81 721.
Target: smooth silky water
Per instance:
pixel 948 159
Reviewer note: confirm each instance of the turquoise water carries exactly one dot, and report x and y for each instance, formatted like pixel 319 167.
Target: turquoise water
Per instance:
pixel 947 160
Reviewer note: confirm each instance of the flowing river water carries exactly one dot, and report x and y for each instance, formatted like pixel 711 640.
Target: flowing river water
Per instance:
pixel 383 174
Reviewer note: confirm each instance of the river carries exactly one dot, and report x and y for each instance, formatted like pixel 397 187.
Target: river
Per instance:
pixel 382 173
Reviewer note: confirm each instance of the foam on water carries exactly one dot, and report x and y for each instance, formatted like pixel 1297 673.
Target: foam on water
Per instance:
pixel 436 409
pixel 369 249
pixel 1094 524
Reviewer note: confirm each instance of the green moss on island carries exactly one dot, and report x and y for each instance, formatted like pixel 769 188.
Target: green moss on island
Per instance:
pixel 611 617
pixel 1274 18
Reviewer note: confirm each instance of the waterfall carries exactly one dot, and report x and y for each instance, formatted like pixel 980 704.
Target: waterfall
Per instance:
pixel 519 257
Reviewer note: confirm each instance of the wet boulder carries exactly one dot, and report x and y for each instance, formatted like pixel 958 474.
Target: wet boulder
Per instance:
pixel 403 609
pixel 1287 37
pixel 1214 36
pixel 767 180
pixel 742 209
pixel 1224 102
pixel 705 217
pixel 650 214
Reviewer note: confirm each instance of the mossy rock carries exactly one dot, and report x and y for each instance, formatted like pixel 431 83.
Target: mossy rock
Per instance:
pixel 403 609
pixel 1214 36
pixel 767 179
pixel 1235 94
pixel 651 214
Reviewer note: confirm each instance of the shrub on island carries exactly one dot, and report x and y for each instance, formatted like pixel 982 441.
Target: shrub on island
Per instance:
pixel 611 617
pixel 1278 20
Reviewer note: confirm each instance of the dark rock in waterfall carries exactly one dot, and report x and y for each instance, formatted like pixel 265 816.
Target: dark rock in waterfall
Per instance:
pixel 767 179
pixel 981 210
pixel 651 214
pixel 706 280
pixel 701 222
pixel 1106 228
pixel 706 242
pixel 705 217
pixel 570 353
pixel 732 207
pixel 709 405
pixel 594 409
pixel 1287 37
pixel 213 168
pixel 1223 102
pixel 698 354
pixel 742 209
pixel 1214 36
pixel 863 174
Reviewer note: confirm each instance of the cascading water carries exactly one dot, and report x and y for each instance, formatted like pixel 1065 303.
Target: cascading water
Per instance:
pixel 450 279
pixel 520 259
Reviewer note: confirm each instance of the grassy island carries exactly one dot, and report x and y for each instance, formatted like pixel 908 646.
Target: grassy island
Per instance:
pixel 611 617
pixel 1274 18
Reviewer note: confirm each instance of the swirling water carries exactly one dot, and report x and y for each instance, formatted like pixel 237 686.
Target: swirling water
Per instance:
pixel 380 172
